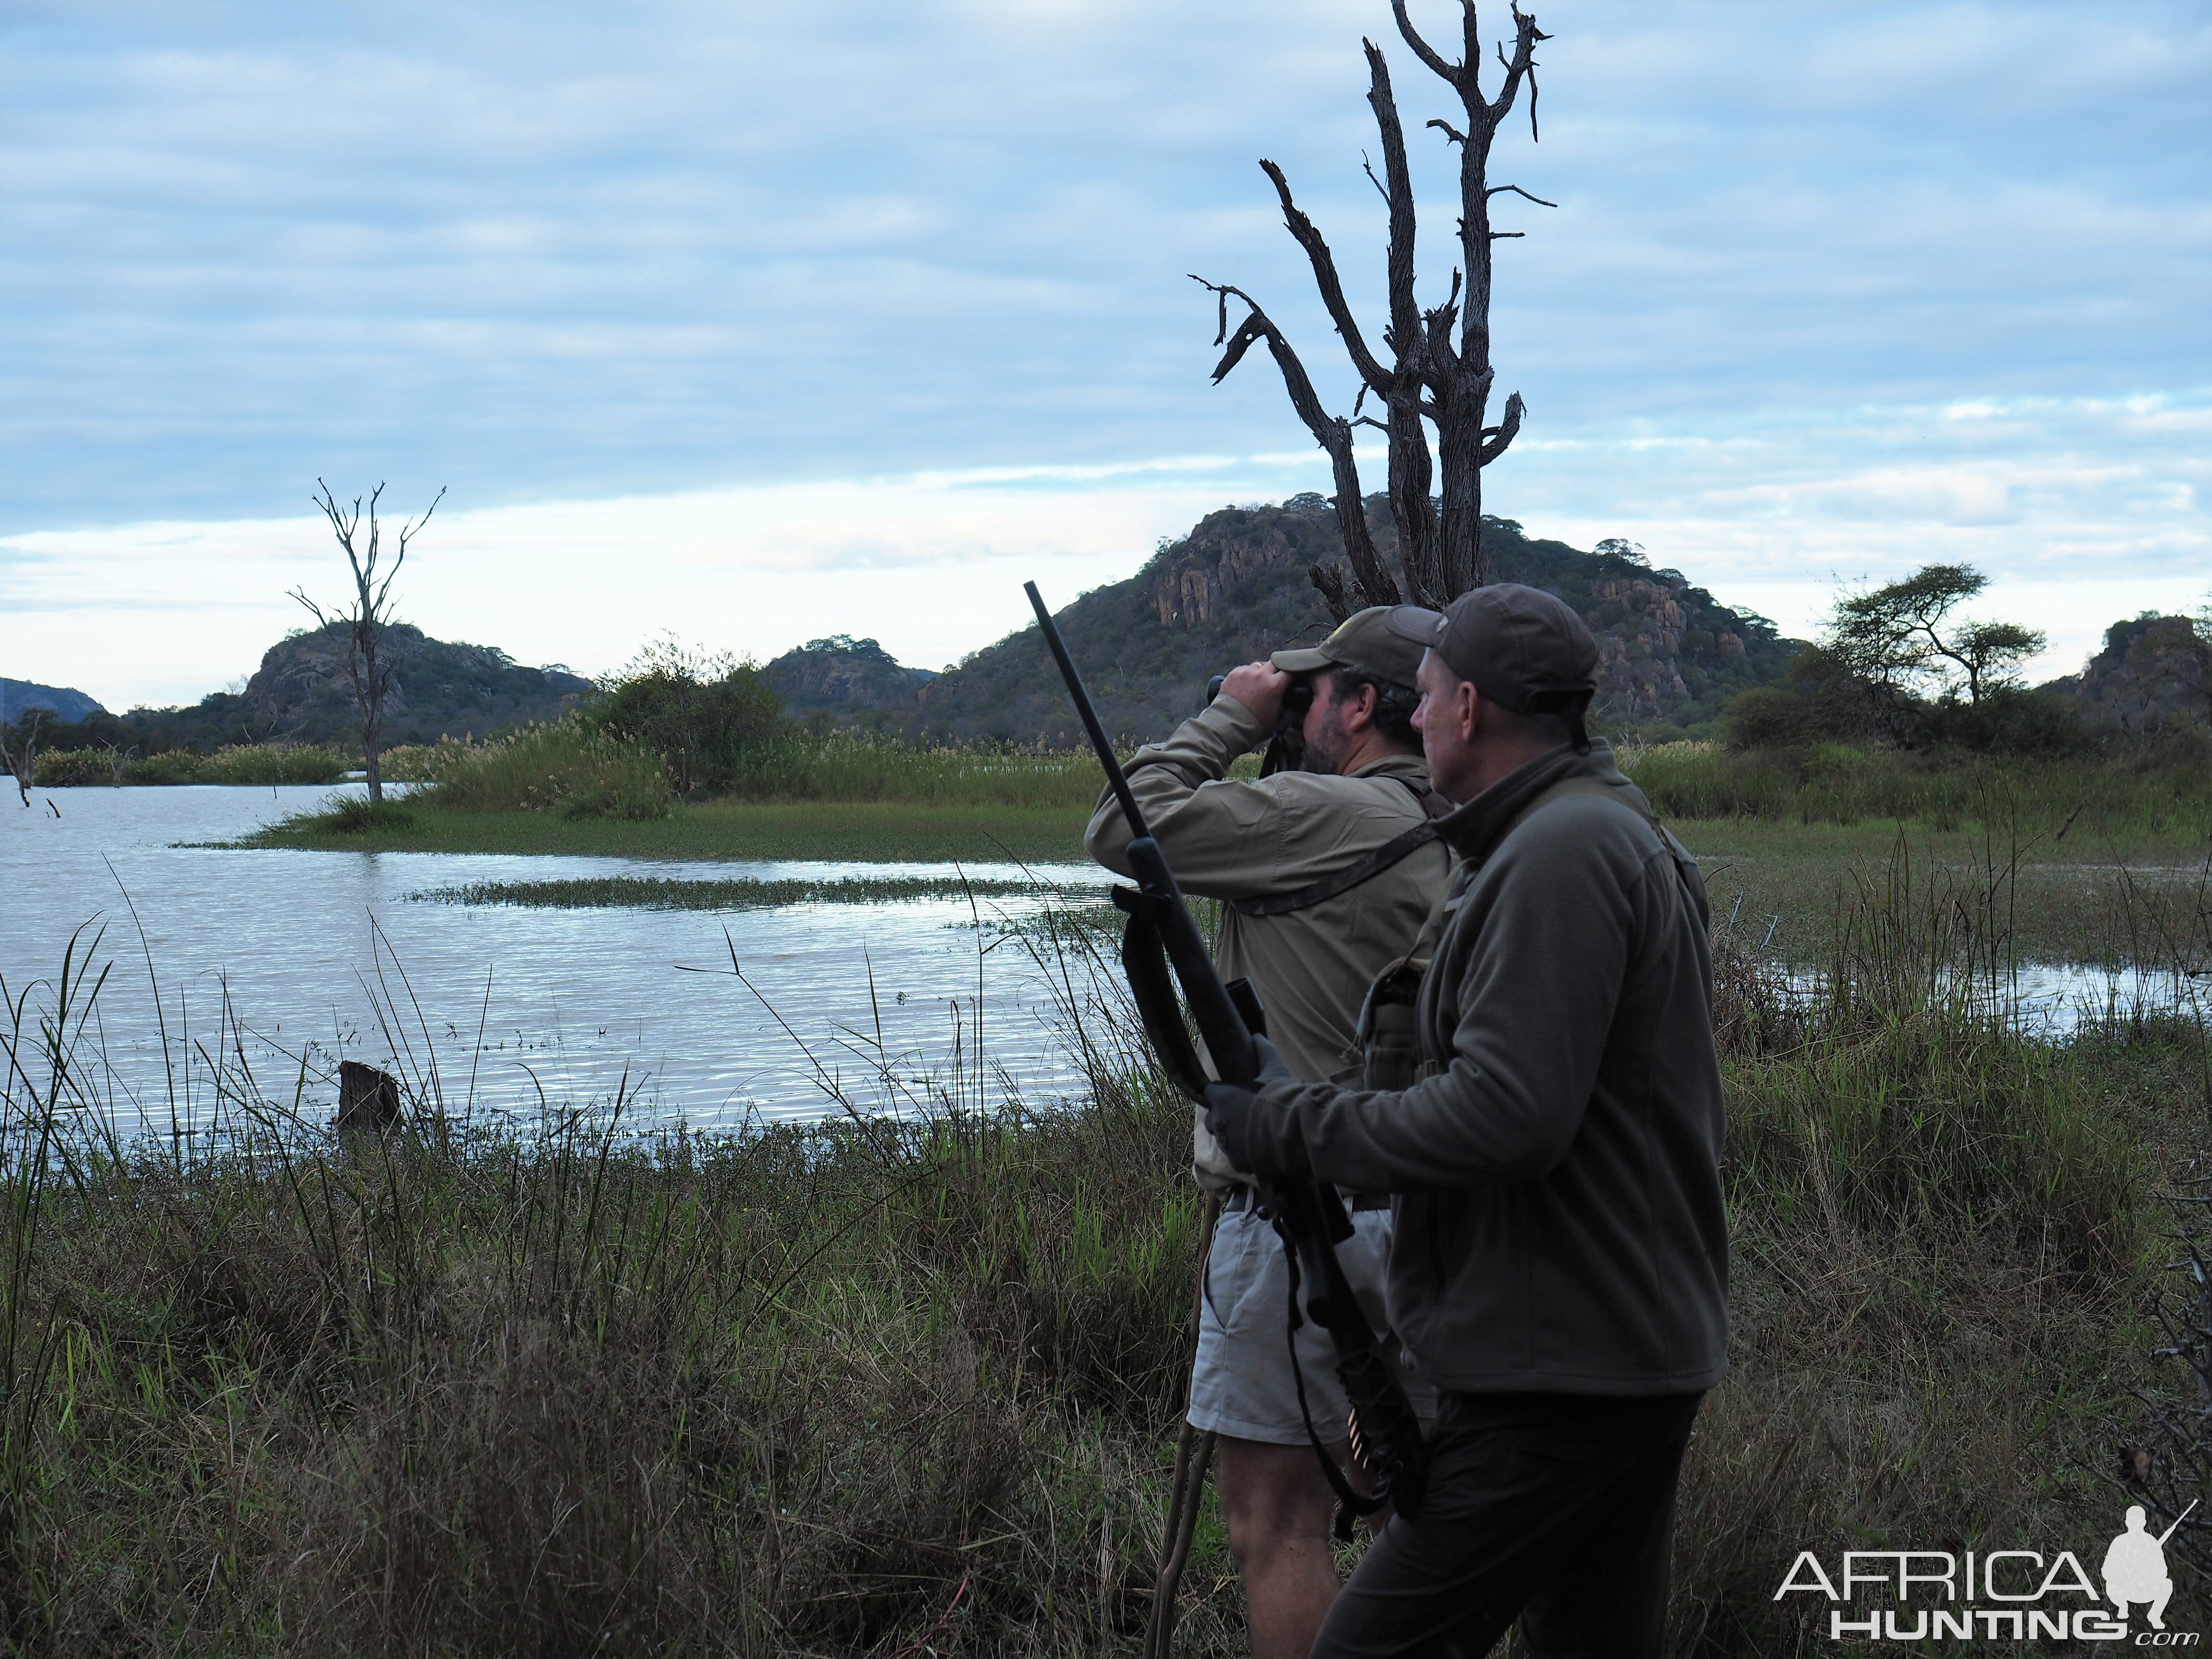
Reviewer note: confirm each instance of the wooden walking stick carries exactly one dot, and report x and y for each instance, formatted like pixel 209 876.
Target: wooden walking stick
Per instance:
pixel 1194 1451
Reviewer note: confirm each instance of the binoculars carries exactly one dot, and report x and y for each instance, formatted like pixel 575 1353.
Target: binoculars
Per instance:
pixel 1285 750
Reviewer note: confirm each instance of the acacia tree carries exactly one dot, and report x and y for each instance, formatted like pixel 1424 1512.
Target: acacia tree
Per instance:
pixel 370 667
pixel 1898 635
pixel 1439 371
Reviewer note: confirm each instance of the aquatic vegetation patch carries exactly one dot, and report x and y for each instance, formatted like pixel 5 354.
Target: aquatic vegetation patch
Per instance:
pixel 743 893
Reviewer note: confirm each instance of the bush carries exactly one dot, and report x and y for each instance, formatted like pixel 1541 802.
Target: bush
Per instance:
pixel 2009 719
pixel 73 769
pixel 566 766
pixel 699 712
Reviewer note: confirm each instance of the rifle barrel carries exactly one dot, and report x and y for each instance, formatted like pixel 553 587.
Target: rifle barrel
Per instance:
pixel 2177 1519
pixel 1115 778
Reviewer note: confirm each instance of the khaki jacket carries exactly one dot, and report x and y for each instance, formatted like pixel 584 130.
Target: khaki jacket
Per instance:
pixel 1234 839
pixel 1561 1226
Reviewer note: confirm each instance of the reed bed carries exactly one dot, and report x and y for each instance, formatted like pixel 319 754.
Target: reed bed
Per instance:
pixel 524 1380
pixel 565 766
pixel 239 763
pixel 854 766
pixel 745 893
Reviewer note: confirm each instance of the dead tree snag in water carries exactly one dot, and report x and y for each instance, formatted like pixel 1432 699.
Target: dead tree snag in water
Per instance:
pixel 1439 371
pixel 369 665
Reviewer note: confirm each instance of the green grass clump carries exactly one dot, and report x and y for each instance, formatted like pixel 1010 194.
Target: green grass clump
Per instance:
pixel 654 893
pixel 565 767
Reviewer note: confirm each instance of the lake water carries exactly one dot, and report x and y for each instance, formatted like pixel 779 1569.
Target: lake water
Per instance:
pixel 315 951
pixel 327 956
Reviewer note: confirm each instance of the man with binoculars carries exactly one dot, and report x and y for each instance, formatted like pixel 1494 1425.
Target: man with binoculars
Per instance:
pixel 1326 874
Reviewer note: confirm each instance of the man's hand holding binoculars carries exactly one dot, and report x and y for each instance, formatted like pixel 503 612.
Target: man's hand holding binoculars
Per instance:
pixel 1260 687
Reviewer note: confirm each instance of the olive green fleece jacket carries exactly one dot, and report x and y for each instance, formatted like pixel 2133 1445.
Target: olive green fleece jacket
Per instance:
pixel 1233 838
pixel 1560 1224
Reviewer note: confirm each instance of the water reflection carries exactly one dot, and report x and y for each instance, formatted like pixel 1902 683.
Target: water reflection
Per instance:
pixel 325 954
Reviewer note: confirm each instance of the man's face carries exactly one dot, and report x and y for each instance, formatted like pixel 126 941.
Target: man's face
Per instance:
pixel 1323 731
pixel 1445 717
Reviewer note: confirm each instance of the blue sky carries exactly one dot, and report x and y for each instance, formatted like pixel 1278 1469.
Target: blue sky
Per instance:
pixel 758 322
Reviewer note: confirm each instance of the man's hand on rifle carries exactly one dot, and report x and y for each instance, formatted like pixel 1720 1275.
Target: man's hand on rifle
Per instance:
pixel 1228 1105
pixel 1259 687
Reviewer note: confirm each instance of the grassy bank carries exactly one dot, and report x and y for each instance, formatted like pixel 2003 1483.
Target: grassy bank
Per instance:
pixel 866 831
pixel 537 1385
pixel 2156 793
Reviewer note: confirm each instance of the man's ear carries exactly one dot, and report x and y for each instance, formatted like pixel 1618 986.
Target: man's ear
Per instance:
pixel 1359 711
pixel 1466 709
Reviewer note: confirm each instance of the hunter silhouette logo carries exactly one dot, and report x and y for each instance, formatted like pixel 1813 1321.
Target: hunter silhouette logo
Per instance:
pixel 2135 1567
pixel 2020 1595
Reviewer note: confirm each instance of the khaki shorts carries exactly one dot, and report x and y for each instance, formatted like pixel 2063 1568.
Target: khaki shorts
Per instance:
pixel 1241 1384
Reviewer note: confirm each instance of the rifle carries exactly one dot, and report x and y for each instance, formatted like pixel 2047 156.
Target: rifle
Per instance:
pixel 1308 1215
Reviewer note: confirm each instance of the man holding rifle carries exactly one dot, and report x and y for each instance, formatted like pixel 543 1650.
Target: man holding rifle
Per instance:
pixel 1327 875
pixel 1560 1263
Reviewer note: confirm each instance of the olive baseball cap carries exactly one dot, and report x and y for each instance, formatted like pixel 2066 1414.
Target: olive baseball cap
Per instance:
pixel 1368 642
pixel 1524 649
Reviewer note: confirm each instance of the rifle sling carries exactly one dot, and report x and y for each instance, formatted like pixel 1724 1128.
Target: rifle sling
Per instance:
pixel 1396 850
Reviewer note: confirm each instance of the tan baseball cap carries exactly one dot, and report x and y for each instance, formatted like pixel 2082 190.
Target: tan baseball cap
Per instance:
pixel 1365 640
pixel 1523 648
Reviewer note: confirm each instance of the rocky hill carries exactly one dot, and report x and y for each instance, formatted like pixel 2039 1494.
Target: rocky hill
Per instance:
pixel 2155 673
pixel 1236 588
pixel 300 694
pixel 19 697
pixel 847 678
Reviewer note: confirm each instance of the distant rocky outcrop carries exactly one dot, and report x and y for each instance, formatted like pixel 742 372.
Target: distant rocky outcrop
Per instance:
pixel 302 690
pixel 843 676
pixel 2154 673
pixel 301 693
pixel 1237 588
pixel 19 697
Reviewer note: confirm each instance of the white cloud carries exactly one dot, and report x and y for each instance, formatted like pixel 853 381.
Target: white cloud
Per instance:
pixel 931 566
pixel 1836 286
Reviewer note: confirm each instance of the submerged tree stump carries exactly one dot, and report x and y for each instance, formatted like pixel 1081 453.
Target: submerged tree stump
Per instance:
pixel 368 1100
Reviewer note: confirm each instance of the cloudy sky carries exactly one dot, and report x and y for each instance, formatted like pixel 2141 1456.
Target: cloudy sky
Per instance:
pixel 760 322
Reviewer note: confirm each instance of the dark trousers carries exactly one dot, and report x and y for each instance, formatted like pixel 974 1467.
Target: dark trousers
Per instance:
pixel 1556 1509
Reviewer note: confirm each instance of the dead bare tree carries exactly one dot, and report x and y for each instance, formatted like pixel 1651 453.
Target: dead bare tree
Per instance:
pixel 1431 377
pixel 369 665
pixel 21 756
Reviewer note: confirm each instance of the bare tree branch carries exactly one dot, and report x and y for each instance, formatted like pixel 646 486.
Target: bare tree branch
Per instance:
pixel 1440 370
pixel 1499 438
pixel 1325 278
pixel 1422 50
pixel 1332 433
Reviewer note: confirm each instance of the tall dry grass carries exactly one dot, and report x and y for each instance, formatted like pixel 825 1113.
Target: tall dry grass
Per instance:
pixel 905 1380
pixel 565 766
